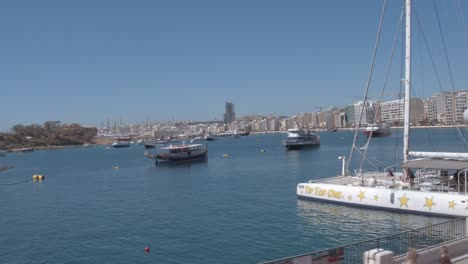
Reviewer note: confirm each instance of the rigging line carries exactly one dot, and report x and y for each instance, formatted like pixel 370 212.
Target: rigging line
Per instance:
pixel 439 82
pixel 460 13
pixel 389 66
pixel 370 162
pixel 445 48
pixel 421 72
pixel 374 54
pixel 426 44
pixel 448 66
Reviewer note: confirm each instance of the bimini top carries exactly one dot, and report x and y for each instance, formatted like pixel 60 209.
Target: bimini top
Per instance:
pixel 441 164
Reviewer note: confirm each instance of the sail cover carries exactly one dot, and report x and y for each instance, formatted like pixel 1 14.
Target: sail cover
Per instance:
pixel 441 164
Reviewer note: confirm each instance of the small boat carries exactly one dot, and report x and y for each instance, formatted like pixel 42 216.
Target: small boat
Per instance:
pixel 140 141
pixel 244 133
pixel 299 138
pixel 378 130
pixel 121 143
pixel 149 146
pixel 27 149
pixel 210 138
pixel 183 152
pixel 3 153
pixel 230 133
pixel 333 129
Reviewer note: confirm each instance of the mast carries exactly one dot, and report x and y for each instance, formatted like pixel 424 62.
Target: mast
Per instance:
pixel 407 81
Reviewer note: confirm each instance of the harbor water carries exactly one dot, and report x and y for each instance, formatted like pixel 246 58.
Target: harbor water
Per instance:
pixel 100 205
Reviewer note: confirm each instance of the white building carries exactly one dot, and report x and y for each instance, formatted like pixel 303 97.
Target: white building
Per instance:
pixel 393 111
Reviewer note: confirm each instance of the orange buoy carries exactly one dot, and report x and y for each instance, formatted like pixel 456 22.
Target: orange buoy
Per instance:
pixel 147 250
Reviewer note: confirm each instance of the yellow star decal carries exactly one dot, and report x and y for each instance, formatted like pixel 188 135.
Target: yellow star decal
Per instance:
pixel 429 203
pixel 452 204
pixel 361 195
pixel 376 197
pixel 351 197
pixel 404 201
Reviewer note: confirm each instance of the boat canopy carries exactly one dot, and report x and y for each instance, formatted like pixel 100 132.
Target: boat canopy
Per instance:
pixel 441 164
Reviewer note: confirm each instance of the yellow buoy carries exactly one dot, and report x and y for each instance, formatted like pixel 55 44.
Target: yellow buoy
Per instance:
pixel 225 155
pixel 37 177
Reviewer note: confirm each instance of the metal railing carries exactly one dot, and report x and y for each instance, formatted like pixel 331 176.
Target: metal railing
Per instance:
pixel 422 238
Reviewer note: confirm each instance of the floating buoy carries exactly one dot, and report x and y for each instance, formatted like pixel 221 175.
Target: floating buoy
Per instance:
pixel 225 155
pixel 115 167
pixel 147 250
pixel 37 177
pixel 262 150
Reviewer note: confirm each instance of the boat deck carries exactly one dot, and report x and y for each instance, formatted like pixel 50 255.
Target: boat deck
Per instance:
pixel 382 180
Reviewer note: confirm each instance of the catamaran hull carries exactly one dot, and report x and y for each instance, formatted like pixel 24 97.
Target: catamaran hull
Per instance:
pixel 403 201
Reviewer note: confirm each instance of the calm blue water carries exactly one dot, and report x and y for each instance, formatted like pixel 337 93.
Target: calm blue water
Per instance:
pixel 237 209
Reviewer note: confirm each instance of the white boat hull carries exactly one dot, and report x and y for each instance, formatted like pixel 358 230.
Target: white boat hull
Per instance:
pixel 400 200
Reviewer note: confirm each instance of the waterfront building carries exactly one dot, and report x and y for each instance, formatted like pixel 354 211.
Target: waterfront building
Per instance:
pixel 368 114
pixel 274 124
pixel 392 111
pixel 229 114
pixel 339 118
pixel 461 104
pixel 447 108
pixel 349 115
pixel 291 123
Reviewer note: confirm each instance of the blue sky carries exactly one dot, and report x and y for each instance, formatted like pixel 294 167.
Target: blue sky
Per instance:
pixel 86 61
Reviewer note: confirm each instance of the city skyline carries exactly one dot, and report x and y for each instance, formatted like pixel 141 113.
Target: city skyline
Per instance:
pixel 86 62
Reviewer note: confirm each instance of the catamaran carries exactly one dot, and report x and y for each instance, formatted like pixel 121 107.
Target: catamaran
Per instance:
pixel 429 182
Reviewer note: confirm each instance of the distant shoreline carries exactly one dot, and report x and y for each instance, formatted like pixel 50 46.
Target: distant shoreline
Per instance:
pixel 99 140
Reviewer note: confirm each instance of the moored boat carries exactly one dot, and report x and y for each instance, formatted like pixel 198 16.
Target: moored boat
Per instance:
pixel 299 138
pixel 377 130
pixel 182 152
pixel 210 138
pixel 121 143
pixel 26 149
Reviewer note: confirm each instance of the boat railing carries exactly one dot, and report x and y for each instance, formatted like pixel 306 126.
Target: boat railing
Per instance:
pixel 462 184
pixel 420 239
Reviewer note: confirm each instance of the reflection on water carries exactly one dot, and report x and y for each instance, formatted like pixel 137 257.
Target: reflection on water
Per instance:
pixel 184 164
pixel 298 156
pixel 342 224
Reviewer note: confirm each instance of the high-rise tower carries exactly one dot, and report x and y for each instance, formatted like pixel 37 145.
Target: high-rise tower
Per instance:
pixel 229 113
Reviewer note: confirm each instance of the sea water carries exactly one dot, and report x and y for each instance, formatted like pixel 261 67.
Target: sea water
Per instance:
pixel 105 205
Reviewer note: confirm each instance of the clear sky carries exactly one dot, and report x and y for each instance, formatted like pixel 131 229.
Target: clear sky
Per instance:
pixel 86 61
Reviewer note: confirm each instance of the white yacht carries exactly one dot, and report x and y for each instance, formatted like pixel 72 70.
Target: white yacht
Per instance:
pixel 438 185
pixel 299 138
